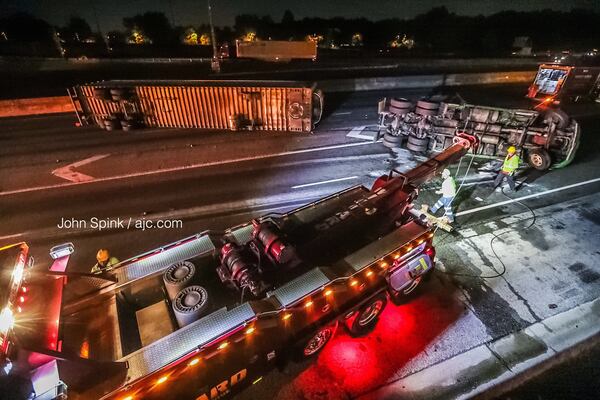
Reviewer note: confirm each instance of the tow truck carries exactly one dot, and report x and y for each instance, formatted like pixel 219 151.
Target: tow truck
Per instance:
pixel 203 316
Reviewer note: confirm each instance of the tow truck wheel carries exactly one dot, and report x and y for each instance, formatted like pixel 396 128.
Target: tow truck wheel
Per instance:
pixel 367 316
pixel 319 340
pixel 539 159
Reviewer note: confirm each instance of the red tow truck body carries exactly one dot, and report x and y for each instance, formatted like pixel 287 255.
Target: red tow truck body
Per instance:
pixel 204 316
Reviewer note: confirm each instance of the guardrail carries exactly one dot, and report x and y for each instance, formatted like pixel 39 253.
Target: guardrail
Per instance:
pixel 63 104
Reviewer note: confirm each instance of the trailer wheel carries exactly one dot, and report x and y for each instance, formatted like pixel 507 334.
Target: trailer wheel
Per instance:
pixel 119 94
pixel 418 141
pixel 392 145
pixel 425 112
pixel 559 117
pixel 428 105
pixel 102 93
pixel 110 124
pixel 398 111
pixel 539 159
pixel 316 343
pixel 400 102
pixel 392 138
pixel 367 316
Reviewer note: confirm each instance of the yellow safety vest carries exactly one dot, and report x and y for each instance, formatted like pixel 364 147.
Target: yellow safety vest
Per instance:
pixel 511 163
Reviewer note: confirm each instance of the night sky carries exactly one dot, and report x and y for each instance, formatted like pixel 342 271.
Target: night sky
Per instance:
pixel 193 12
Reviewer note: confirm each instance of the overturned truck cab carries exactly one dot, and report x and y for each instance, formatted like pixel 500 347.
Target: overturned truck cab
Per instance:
pixel 545 138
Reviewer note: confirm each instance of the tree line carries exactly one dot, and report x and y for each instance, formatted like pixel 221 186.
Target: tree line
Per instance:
pixel 436 31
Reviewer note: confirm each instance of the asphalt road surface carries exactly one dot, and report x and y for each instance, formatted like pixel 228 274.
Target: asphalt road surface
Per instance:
pixel 546 260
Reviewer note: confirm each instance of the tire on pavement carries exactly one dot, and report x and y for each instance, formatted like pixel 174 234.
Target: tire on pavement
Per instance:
pixel 316 342
pixel 539 159
pixel 367 316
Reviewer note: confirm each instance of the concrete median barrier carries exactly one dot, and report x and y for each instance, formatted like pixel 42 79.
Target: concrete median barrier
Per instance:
pixel 425 81
pixel 35 106
pixel 62 104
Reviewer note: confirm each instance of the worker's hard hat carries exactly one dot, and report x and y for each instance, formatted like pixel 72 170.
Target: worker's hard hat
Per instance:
pixel 446 173
pixel 102 255
pixel 512 150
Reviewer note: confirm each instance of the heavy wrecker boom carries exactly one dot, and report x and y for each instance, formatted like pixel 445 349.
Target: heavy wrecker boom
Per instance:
pixel 196 318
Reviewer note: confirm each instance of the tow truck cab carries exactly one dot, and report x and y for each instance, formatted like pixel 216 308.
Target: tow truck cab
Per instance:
pixel 203 316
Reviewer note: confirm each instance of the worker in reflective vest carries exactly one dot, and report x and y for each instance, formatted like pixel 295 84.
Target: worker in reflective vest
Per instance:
pixel 448 192
pixel 510 165
pixel 105 261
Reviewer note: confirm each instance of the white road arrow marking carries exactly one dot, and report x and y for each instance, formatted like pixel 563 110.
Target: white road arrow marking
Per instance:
pixel 357 133
pixel 68 171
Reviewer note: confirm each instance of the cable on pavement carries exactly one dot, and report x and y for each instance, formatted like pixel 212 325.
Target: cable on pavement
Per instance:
pixel 500 273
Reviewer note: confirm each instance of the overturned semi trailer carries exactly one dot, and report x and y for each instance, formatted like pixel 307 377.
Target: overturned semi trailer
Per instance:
pixel 287 106
pixel 544 138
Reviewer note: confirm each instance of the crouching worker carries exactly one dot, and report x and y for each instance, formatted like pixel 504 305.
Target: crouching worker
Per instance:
pixel 105 261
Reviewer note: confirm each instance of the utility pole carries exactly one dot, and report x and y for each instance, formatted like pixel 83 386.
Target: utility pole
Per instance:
pixel 214 64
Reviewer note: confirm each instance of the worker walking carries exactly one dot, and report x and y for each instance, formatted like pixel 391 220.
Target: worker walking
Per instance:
pixel 105 261
pixel 448 192
pixel 510 165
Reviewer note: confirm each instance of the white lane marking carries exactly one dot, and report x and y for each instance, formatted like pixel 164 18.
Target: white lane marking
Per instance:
pixel 68 171
pixel 183 168
pixel 342 113
pixel 529 196
pixel 324 182
pixel 356 132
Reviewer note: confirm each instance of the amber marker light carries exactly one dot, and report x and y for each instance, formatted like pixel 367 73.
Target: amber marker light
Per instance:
pixel 193 362
pixel 287 316
pixel 162 379
pixel 369 273
pixel 353 282
pixel 328 292
pixel 308 304
pixel 250 331
pixel 223 345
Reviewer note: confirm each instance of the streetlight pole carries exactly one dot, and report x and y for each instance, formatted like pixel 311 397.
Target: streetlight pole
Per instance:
pixel 214 64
